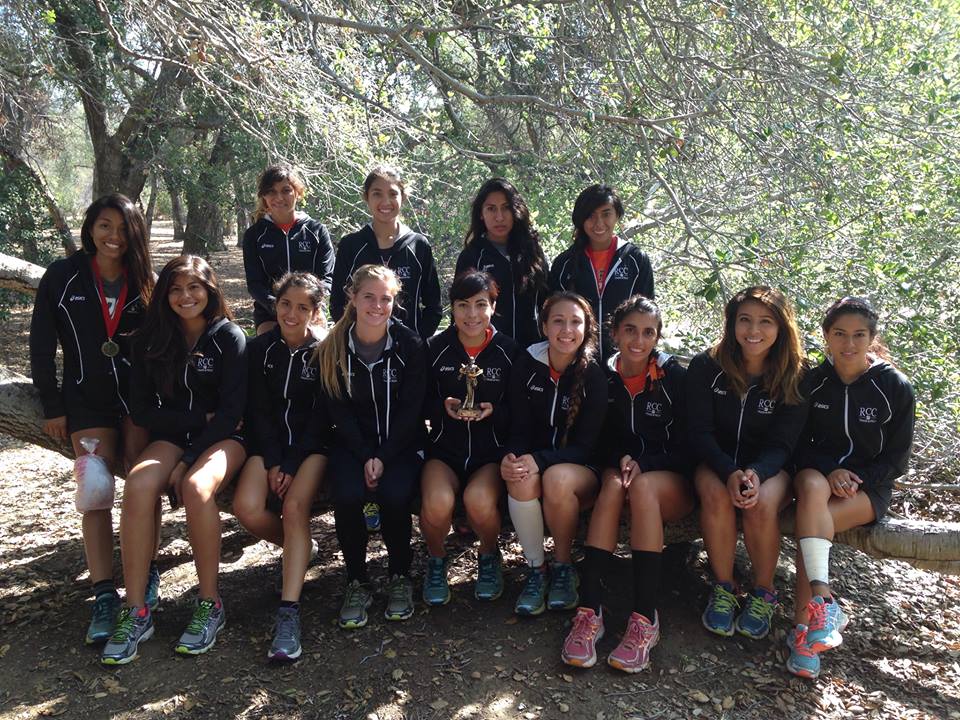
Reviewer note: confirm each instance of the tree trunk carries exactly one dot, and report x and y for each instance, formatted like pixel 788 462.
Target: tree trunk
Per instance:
pixel 19 275
pixel 152 204
pixel 205 224
pixel 14 162
pixel 239 203
pixel 176 207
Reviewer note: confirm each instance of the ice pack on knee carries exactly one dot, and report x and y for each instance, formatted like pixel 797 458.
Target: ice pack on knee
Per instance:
pixel 95 482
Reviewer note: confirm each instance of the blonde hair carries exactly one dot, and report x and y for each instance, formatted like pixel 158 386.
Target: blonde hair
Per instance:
pixel 331 354
pixel 270 177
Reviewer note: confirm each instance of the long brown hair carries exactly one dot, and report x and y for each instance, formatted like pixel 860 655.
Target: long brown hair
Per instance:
pixel 165 349
pixel 784 362
pixel 331 354
pixel 270 177
pixel 585 353
pixel 136 259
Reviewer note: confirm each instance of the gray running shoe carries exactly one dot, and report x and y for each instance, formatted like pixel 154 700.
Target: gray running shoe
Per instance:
pixel 286 636
pixel 105 608
pixel 134 625
pixel 356 600
pixel 399 598
pixel 207 622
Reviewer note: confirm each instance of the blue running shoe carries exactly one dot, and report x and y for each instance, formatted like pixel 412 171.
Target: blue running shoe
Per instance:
pixel 371 515
pixel 489 576
pixel 532 599
pixel 105 609
pixel 286 636
pixel 719 615
pixel 436 590
pixel 827 620
pixel 152 593
pixel 803 661
pixel 208 620
pixel 134 626
pixel 563 587
pixel 754 621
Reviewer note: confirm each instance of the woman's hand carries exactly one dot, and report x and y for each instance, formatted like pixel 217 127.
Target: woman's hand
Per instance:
pixel 518 469
pixel 744 488
pixel 451 405
pixel 56 427
pixel 844 483
pixel 372 472
pixel 278 481
pixel 628 470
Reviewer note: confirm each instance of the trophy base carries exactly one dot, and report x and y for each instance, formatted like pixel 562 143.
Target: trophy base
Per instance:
pixel 469 413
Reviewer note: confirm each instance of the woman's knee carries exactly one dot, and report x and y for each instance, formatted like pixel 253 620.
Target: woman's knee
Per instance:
pixel 714 496
pixel 811 484
pixel 296 508
pixel 199 487
pixel 438 502
pixel 480 501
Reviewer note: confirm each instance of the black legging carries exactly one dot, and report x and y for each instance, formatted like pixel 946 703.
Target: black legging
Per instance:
pixel 394 494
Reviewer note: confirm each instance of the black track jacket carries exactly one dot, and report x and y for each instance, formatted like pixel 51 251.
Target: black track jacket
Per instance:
pixel 67 310
pixel 630 273
pixel 517 313
pixel 411 259
pixel 866 426
pixel 475 442
pixel 539 411
pixel 269 253
pixel 214 380
pixel 281 399
pixel 731 433
pixel 650 426
pixel 380 413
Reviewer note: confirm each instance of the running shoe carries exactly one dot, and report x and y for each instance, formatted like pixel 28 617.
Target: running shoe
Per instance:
pixel 827 620
pixel 208 620
pixel 134 625
pixel 532 599
pixel 436 590
pixel 286 636
pixel 105 608
pixel 371 515
pixel 399 598
pixel 563 587
pixel 802 661
pixel 356 600
pixel 489 576
pixel 633 653
pixel 580 647
pixel 754 621
pixel 720 613
pixel 152 593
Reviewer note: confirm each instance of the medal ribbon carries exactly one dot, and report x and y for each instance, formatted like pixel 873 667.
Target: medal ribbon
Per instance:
pixel 110 323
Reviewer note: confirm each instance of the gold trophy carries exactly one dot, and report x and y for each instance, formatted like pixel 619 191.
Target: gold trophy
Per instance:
pixel 471 374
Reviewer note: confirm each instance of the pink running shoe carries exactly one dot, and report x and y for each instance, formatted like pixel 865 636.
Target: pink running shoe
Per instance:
pixel 580 647
pixel 633 653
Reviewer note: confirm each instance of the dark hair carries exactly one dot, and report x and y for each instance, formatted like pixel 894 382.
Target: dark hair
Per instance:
pixel 470 282
pixel 165 350
pixel 523 243
pixel 637 303
pixel 303 280
pixel 785 361
pixel 136 259
pixel 389 174
pixel 585 353
pixel 858 306
pixel 270 177
pixel 587 202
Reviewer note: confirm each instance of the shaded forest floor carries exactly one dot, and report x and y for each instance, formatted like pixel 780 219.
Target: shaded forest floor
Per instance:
pixel 901 658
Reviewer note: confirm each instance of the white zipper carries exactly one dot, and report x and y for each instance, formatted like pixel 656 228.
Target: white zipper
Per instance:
pixel 743 404
pixel 286 387
pixel 846 422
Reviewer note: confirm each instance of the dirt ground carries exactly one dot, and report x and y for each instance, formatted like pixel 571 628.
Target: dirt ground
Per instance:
pixel 900 659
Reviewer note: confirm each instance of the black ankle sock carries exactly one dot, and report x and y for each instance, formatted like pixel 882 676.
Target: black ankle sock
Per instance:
pixel 290 604
pixel 646 582
pixel 595 567
pixel 104 587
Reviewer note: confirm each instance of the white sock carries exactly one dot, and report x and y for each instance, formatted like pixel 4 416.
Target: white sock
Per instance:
pixel 816 558
pixel 527 520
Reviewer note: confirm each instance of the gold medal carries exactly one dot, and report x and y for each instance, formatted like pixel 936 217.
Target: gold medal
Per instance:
pixel 110 348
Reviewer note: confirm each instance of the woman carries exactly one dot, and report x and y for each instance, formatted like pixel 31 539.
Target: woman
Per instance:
pixel 373 377
pixel 282 475
pixel 89 303
pixel 745 412
pixel 559 400
pixel 282 240
pixel 385 240
pixel 645 464
pixel 857 441
pixel 189 389
pixel 503 242
pixel 464 452
pixel 598 265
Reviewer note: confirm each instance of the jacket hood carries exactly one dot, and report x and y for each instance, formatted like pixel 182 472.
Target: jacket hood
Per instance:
pixel 663 359
pixel 298 217
pixel 877 368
